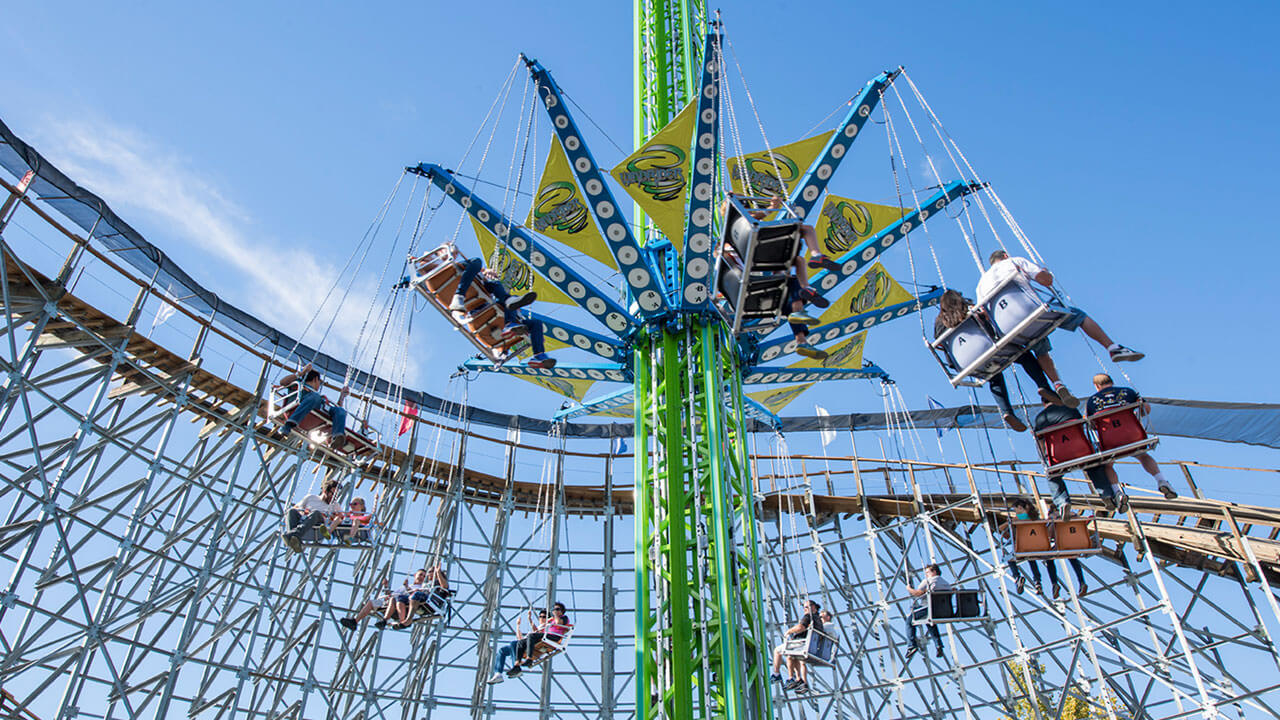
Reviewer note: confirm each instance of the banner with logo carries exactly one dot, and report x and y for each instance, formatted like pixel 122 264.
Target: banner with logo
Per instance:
pixel 874 290
pixel 846 356
pixel 625 411
pixel 657 175
pixel 778 398
pixel 844 223
pixel 516 273
pixel 574 388
pixel 767 173
pixel 559 211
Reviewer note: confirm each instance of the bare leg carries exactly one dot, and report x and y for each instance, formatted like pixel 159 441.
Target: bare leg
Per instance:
pixel 365 611
pixel 793 668
pixel 777 659
pixel 391 610
pixel 413 607
pixel 802 270
pixel 1094 330
pixel 1149 464
pixel 1046 364
pixel 810 239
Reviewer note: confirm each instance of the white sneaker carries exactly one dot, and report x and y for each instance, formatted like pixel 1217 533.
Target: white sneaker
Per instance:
pixel 497 678
pixel 1121 353
pixel 459 303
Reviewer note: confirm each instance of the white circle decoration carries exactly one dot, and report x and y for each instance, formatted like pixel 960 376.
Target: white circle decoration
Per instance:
pixel 576 290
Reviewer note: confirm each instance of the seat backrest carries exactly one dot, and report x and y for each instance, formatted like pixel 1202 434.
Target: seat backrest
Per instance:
pixel 940 604
pixel 1065 443
pixel 1117 429
pixel 1012 304
pixel 1031 536
pixel 967 342
pixel 821 647
pixel 1073 535
pixel 968 604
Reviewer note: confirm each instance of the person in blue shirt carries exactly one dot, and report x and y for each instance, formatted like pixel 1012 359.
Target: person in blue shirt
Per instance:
pixel 1110 396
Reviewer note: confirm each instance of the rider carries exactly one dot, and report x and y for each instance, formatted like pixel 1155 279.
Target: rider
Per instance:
pixel 933 581
pixel 797 671
pixel 516 323
pixel 311 512
pixel 309 400
pixel 1109 396
pixel 1103 477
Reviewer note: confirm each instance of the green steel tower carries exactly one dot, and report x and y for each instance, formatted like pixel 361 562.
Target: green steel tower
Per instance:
pixel 700 644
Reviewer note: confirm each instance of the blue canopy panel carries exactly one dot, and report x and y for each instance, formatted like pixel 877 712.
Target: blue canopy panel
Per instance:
pixel 764 375
pixel 771 350
pixel 810 186
pixel 862 255
pixel 612 401
pixel 573 371
pixel 642 279
pixel 539 256
pixel 756 411
pixel 696 270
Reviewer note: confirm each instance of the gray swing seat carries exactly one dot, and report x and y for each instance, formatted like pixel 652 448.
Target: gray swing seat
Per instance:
pixel 755 264
pixel 815 648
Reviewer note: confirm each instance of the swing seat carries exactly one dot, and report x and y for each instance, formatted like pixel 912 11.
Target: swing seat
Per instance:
pixel 436 278
pixel 949 606
pixel 815 648
pixel 1069 538
pixel 317 426
pixel 1031 538
pixel 755 264
pixel 435 604
pixel 548 647
pixel 1069 446
pixel 1021 316
pixel 343 533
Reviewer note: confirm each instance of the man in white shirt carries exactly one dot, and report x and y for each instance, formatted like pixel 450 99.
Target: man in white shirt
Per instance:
pixel 933 581
pixel 311 512
pixel 1002 267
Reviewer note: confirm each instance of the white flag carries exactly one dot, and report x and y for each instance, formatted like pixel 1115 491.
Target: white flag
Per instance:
pixel 827 433
pixel 166 309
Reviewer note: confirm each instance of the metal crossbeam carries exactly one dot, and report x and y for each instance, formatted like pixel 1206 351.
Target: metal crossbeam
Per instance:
pixel 612 401
pixel 774 349
pixel 643 281
pixel 539 256
pixel 572 371
pixel 764 375
pixel 581 338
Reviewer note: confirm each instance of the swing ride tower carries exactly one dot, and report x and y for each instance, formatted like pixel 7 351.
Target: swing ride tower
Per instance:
pixel 700 643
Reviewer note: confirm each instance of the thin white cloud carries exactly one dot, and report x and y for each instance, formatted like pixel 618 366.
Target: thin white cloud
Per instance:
pixel 280 283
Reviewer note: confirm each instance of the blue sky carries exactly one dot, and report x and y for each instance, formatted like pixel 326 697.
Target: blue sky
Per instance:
pixel 1134 144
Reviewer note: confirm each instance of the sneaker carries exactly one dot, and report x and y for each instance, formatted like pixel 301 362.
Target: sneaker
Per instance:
pixel 338 442
pixel 1122 503
pixel 1049 396
pixel 514 672
pixel 1169 492
pixel 1109 502
pixel 541 361
pixel 1123 354
pixel 811 352
pixel 1066 397
pixel 293 541
pixel 1056 591
pixel 791 685
pixel 1020 584
pixel 400 625
pixel 381 623
pixel 911 653
pixel 1038 588
pixel 940 653
pixel 1084 590
pixel 775 677
pixel 823 262
pixel 459 303
pixel 802 318
pixel 813 297
pixel 348 623
pixel 496 678
pixel 513 329
pixel 1014 423
pixel 802 688
pixel 515 302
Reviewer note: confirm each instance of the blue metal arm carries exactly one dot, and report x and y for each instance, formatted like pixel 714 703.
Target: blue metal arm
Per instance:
pixel 574 336
pixel 696 275
pixel 612 401
pixel 764 375
pixel 815 180
pixel 753 409
pixel 642 279
pixel 611 372
pixel 532 251
pixel 772 349
pixel 871 248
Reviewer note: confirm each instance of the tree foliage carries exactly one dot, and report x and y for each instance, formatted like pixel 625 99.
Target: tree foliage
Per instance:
pixel 1076 704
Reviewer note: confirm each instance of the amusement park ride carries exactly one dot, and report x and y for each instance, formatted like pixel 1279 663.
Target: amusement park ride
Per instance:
pixel 146 577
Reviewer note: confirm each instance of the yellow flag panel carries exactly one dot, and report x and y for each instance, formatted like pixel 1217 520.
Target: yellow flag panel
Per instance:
pixel 844 223
pixel 874 290
pixel 846 356
pixel 775 172
pixel 516 273
pixel 569 387
pixel 657 175
pixel 778 398
pixel 626 411
pixel 560 212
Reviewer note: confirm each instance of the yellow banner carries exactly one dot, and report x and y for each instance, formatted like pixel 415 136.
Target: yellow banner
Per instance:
pixel 657 175
pixel 559 211
pixel 844 223
pixel 874 290
pixel 778 398
pixel 846 356
pixel 569 387
pixel 516 273
pixel 626 411
pixel 775 172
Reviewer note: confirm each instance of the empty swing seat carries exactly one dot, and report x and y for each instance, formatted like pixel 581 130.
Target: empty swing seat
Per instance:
pixel 436 276
pixel 755 264
pixel 1020 316
pixel 1070 445
pixel 815 648
pixel 317 426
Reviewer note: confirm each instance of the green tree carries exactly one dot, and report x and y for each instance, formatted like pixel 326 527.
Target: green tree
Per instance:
pixel 1076 705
